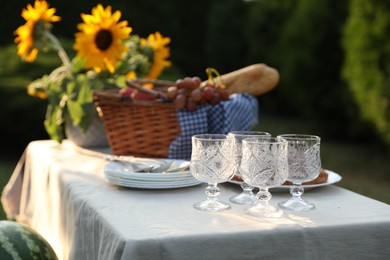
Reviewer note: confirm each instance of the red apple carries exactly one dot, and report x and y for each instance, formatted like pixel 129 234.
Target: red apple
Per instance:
pixel 139 95
pixel 126 92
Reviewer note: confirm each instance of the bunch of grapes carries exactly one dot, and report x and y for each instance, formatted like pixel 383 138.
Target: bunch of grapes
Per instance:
pixel 190 93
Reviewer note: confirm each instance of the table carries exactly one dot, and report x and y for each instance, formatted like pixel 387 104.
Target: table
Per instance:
pixel 63 195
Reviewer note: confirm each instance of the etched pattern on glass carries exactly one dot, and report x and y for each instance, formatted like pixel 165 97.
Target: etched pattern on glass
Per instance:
pixel 304 161
pixel 278 162
pixel 212 164
pixel 237 155
pixel 264 167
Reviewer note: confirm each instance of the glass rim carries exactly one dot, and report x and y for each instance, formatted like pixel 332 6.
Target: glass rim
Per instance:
pixel 209 137
pixel 270 140
pixel 299 136
pixel 249 133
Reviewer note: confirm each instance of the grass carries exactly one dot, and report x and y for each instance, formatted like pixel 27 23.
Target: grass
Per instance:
pixel 365 169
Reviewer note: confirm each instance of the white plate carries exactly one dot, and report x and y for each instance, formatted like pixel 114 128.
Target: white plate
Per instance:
pixel 118 169
pixel 117 174
pixel 332 178
pixel 153 185
pixel 127 167
pixel 150 177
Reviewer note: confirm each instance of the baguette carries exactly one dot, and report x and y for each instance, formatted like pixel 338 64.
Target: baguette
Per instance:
pixel 256 79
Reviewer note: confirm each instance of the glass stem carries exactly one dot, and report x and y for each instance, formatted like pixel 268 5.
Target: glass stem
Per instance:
pixel 296 191
pixel 264 195
pixel 212 191
pixel 246 188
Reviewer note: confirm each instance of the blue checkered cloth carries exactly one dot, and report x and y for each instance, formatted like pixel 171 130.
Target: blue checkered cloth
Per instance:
pixel 238 113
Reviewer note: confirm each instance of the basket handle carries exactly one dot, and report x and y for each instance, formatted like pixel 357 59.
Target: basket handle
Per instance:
pixel 150 91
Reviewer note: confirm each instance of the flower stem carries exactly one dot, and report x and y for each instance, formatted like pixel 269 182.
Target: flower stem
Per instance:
pixel 61 52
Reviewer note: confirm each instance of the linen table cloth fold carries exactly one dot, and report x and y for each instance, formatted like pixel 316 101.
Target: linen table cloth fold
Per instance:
pixel 65 197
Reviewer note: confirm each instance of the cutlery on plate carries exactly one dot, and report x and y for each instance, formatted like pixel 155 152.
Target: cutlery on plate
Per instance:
pixel 183 167
pixel 139 164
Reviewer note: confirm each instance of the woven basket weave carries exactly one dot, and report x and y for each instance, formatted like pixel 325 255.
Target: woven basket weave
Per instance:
pixel 144 129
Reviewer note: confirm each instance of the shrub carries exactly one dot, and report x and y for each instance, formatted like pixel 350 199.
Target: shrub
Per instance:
pixel 366 69
pixel 21 115
pixel 302 39
pixel 225 46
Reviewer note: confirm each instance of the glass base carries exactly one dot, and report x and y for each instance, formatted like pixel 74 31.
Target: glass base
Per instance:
pixel 296 204
pixel 211 205
pixel 244 199
pixel 264 211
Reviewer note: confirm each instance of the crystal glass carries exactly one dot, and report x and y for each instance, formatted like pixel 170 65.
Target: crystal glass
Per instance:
pixel 264 165
pixel 246 196
pixel 211 162
pixel 304 165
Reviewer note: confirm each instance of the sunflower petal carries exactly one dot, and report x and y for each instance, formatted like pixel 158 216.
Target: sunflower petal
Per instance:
pixel 40 12
pixel 103 23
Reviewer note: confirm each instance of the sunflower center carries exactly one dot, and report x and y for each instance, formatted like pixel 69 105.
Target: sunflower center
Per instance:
pixel 103 39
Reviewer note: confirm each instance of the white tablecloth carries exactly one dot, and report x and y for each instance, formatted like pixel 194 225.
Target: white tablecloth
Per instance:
pixel 63 195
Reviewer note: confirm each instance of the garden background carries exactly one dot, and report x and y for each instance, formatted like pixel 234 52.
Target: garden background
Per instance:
pixel 333 58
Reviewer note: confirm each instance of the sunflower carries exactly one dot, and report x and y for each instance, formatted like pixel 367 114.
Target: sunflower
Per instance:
pixel 160 53
pixel 100 40
pixel 38 17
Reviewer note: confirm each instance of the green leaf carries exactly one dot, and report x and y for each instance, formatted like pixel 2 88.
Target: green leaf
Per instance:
pixel 78 64
pixel 80 106
pixel 121 81
pixel 75 111
pixel 52 125
pixel 85 91
pixel 89 113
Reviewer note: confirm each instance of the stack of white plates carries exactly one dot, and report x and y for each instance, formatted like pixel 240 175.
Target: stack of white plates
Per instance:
pixel 117 174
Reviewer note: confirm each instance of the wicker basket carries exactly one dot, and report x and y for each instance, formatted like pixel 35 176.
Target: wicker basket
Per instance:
pixel 144 129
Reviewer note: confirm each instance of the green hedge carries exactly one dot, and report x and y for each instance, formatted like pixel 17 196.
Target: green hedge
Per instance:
pixel 21 116
pixel 301 38
pixel 367 64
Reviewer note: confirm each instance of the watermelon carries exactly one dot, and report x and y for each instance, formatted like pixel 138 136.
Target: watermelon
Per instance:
pixel 18 241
